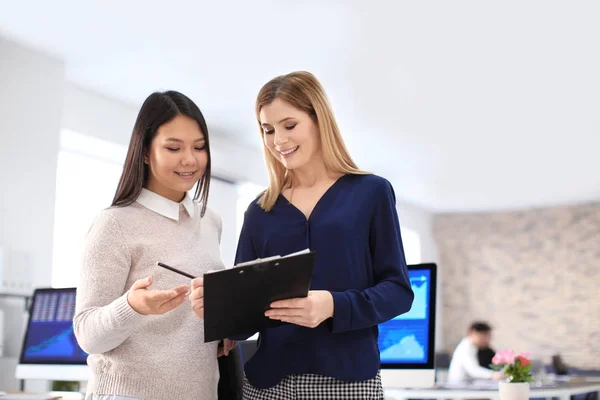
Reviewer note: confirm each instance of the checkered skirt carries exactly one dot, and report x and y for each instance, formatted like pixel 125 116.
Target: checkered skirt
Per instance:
pixel 316 387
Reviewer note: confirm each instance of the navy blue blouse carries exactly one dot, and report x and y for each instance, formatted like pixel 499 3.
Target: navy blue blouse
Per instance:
pixel 355 233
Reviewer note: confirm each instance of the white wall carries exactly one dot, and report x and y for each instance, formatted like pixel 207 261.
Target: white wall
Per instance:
pixel 30 113
pixel 31 101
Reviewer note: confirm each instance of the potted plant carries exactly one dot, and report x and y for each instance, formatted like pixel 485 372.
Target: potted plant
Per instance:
pixel 517 369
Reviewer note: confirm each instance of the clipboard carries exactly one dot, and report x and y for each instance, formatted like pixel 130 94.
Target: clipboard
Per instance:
pixel 235 300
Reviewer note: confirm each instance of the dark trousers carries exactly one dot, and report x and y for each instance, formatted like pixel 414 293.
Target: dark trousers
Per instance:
pixel 231 373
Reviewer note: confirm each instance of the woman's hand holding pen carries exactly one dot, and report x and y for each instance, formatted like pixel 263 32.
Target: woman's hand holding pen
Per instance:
pixel 307 311
pixel 197 296
pixel 154 302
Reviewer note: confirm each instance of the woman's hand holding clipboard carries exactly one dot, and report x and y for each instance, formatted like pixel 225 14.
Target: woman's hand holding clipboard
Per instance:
pixel 307 311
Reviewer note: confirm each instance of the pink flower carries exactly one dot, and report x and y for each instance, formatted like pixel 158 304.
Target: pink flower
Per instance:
pixel 504 357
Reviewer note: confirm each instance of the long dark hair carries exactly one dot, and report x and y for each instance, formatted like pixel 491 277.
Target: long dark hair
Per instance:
pixel 158 109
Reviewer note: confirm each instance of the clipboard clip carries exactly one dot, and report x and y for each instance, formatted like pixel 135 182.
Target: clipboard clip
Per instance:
pixel 261 267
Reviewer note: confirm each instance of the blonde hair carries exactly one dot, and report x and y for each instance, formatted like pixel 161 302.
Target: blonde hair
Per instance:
pixel 302 91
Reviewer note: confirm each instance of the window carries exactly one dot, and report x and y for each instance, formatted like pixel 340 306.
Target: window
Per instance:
pixel 87 176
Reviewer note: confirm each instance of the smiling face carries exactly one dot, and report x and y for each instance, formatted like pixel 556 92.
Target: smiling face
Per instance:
pixel 291 135
pixel 177 158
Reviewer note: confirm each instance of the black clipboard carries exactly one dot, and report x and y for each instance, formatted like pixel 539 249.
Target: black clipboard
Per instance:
pixel 235 300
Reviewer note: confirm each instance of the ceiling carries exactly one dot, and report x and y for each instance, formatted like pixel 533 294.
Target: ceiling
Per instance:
pixel 463 105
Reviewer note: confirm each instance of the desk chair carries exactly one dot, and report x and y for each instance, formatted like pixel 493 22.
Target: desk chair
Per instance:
pixel 558 365
pixel 485 356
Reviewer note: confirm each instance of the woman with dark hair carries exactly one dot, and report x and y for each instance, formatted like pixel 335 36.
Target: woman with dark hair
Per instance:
pixel 141 344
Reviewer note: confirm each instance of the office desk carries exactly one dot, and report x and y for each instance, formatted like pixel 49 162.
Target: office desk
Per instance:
pixel 562 390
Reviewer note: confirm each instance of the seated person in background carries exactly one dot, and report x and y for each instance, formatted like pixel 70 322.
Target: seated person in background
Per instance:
pixel 465 366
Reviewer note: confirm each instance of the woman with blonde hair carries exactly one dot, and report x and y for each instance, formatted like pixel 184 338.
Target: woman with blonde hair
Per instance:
pixel 319 199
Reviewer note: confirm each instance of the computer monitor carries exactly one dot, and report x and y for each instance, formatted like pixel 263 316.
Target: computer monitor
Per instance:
pixel 407 342
pixel 50 350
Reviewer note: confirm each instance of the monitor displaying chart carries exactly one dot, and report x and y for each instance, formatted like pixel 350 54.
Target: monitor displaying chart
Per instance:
pixel 408 338
pixel 49 338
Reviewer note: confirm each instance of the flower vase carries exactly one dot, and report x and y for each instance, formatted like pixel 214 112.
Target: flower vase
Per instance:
pixel 513 391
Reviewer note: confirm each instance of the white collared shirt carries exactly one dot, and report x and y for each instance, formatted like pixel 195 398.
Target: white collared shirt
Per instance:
pixel 165 207
pixel 464 366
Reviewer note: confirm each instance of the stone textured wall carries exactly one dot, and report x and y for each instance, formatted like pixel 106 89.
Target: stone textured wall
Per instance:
pixel 534 275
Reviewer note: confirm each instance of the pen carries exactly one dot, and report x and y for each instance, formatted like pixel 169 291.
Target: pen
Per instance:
pixel 176 270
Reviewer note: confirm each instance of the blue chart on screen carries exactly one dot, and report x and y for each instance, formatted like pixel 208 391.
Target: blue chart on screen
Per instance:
pixel 50 335
pixel 404 339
